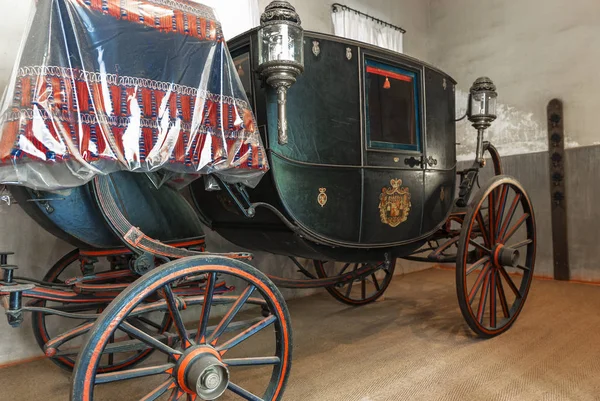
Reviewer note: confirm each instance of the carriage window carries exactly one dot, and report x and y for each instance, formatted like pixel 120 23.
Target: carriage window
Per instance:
pixel 392 107
pixel 242 66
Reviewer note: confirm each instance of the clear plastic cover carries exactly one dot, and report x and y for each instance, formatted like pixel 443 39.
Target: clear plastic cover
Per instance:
pixel 138 85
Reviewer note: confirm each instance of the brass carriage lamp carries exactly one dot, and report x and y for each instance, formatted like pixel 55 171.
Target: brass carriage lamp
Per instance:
pixel 281 54
pixel 482 109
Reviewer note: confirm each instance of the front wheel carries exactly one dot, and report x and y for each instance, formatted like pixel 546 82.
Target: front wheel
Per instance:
pixel 496 256
pixel 210 348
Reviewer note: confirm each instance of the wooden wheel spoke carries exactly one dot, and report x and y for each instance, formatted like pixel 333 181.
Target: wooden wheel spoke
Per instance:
pixel 245 394
pixel 349 289
pixel 501 206
pixel 475 265
pixel 375 282
pixel 230 315
pixel 206 306
pixel 260 361
pixel 479 281
pixel 363 288
pixel 173 307
pixel 509 281
pixel 69 335
pixel 524 268
pixel 514 228
pixel 344 269
pixel 483 296
pixel 132 373
pixel 482 228
pixel 521 244
pixel 502 296
pixel 147 338
pixel 510 215
pixel 149 322
pixel 249 332
pixel 440 249
pixel 157 392
pixel 491 216
pixel 493 275
pixel 478 245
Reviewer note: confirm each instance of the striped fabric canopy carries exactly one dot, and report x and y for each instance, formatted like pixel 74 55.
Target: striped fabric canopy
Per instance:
pixel 139 85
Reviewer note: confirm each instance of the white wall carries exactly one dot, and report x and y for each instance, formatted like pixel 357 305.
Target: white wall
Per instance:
pixel 412 15
pixel 11 33
pixel 534 50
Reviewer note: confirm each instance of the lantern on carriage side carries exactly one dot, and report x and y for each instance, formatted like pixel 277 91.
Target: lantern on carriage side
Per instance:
pixel 281 54
pixel 482 109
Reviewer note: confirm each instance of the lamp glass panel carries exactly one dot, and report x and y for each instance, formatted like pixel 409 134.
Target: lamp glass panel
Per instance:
pixel 281 42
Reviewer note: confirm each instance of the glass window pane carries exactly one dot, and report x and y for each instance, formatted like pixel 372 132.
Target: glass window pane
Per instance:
pixel 242 66
pixel 392 101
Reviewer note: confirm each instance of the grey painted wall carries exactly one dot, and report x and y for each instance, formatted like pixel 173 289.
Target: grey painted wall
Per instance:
pixel 583 212
pixel 534 51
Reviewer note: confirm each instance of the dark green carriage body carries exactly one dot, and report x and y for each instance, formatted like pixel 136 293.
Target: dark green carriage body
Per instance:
pixel 330 152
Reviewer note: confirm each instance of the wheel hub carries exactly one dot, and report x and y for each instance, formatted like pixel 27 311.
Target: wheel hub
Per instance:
pixel 505 256
pixel 201 371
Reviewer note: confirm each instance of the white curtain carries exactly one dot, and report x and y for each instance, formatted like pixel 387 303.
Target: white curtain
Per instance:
pixel 351 25
pixel 236 16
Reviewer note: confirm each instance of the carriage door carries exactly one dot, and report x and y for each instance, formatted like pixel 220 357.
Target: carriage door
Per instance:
pixel 393 150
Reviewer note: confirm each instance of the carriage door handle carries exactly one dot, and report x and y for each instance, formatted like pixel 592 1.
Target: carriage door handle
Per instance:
pixel 412 162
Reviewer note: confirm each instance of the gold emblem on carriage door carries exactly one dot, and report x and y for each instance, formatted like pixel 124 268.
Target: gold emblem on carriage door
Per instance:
pixel 322 198
pixel 394 203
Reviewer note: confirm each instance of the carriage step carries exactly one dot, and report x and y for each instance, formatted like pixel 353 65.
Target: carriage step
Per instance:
pixel 14 312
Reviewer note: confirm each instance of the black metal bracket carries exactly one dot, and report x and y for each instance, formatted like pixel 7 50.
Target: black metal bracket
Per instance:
pixel 468 178
pixel 301 268
pixel 241 198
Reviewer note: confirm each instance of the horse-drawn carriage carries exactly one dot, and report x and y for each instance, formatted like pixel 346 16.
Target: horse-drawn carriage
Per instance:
pixel 115 106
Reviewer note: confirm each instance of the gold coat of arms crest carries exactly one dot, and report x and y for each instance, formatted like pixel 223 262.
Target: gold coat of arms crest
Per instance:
pixel 394 203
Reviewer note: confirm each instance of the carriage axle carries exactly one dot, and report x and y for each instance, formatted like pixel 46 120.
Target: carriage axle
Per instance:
pixel 201 371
